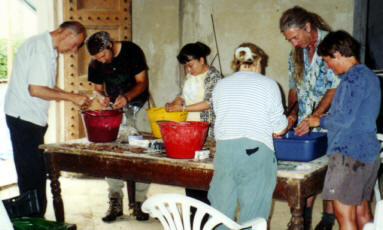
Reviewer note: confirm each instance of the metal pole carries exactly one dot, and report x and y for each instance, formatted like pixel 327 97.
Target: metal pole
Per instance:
pixel 216 44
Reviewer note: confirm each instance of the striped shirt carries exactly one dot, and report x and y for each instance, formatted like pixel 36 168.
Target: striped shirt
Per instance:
pixel 248 104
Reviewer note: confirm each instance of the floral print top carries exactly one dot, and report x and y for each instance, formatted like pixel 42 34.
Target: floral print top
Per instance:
pixel 316 81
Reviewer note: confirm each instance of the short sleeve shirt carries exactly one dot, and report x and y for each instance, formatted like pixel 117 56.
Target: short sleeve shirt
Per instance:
pixel 119 75
pixel 316 81
pixel 35 64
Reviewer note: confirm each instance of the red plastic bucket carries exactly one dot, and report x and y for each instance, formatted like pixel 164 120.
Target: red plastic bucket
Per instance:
pixel 183 138
pixel 102 125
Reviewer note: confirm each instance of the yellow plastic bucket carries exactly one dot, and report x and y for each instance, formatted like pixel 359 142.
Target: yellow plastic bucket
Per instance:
pixel 158 114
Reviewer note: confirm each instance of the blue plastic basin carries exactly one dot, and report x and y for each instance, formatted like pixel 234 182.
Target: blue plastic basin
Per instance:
pixel 301 148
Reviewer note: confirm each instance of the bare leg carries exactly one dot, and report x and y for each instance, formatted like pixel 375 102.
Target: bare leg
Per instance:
pixel 345 215
pixel 310 201
pixel 327 207
pixel 363 214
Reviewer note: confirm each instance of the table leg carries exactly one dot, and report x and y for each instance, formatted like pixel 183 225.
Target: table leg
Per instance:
pixel 297 202
pixel 58 205
pixel 296 221
pixel 131 186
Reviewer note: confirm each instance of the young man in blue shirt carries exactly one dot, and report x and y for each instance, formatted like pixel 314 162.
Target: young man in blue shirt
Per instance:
pixel 353 148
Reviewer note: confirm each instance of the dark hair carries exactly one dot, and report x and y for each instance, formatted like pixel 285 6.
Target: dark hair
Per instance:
pixel 75 26
pixel 340 41
pixel 193 51
pixel 298 17
pixel 98 42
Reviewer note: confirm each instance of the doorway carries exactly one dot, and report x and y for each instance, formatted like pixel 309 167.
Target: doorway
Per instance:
pixel 19 21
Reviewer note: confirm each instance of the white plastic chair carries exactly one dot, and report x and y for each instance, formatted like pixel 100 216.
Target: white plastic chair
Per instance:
pixel 5 222
pixel 378 218
pixel 377 191
pixel 173 211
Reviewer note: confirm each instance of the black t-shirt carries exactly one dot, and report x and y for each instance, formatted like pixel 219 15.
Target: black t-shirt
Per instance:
pixel 119 75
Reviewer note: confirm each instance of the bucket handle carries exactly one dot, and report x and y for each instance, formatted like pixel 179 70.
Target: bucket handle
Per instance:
pixel 162 121
pixel 151 102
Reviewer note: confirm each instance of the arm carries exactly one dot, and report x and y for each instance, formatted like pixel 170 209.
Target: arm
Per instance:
pixel 100 95
pixel 324 105
pixel 277 117
pixel 141 86
pixel 197 107
pixel 293 107
pixel 344 114
pixel 177 107
pixel 57 94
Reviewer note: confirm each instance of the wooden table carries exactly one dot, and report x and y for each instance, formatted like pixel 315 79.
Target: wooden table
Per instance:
pixel 296 181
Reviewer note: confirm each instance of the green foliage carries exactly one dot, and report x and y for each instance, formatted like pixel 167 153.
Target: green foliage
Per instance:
pixel 4 58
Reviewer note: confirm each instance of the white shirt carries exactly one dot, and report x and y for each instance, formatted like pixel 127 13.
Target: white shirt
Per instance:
pixel 193 92
pixel 248 105
pixel 35 64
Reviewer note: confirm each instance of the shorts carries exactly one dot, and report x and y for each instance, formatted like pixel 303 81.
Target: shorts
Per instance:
pixel 348 180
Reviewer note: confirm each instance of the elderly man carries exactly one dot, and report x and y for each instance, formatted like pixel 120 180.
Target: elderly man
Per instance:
pixel 119 72
pixel 312 85
pixel 31 87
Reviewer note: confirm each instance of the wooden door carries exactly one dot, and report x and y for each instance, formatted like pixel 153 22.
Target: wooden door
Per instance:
pixel 113 16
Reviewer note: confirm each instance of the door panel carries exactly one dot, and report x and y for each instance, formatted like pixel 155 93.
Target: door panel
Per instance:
pixel 113 16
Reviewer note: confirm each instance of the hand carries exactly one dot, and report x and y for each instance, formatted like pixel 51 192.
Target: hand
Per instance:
pixel 292 119
pixel 104 101
pixel 120 102
pixel 171 107
pixel 302 128
pixel 306 124
pixel 82 101
pixel 277 136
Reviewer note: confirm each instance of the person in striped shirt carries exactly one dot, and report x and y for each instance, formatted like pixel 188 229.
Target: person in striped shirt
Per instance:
pixel 249 111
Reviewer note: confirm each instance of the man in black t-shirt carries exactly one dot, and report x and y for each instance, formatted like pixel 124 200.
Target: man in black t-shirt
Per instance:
pixel 119 72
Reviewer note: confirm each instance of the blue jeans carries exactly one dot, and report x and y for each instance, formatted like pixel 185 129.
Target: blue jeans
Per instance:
pixel 245 172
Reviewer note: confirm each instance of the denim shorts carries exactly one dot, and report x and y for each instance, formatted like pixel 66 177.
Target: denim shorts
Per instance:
pixel 348 180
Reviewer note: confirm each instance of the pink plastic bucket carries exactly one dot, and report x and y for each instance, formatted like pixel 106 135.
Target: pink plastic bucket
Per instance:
pixel 102 125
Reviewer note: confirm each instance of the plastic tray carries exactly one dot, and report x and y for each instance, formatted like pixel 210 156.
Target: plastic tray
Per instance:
pixel 301 148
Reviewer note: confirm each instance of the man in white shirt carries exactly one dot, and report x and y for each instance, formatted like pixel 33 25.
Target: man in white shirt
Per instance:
pixel 31 87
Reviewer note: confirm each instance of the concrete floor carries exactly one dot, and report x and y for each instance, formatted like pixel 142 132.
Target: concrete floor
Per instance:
pixel 85 202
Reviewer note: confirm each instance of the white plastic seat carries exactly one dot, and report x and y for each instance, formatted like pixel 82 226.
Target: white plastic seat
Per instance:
pixel 5 222
pixel 173 211
pixel 378 218
pixel 377 191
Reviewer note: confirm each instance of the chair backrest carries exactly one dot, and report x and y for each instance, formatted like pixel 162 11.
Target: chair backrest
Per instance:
pixel 378 183
pixel 173 211
pixel 378 218
pixel 5 222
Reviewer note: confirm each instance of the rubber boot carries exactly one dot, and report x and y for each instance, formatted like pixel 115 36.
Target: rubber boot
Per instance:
pixel 115 209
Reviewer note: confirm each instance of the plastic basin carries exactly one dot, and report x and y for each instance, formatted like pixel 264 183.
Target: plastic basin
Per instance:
pixel 102 125
pixel 301 148
pixel 159 114
pixel 182 139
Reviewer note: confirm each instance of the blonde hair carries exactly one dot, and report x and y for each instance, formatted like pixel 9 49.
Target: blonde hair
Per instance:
pixel 248 54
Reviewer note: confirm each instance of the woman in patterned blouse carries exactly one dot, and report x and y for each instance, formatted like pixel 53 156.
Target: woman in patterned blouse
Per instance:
pixel 198 87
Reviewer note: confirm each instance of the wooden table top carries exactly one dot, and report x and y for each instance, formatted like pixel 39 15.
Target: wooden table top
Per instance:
pixel 286 169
